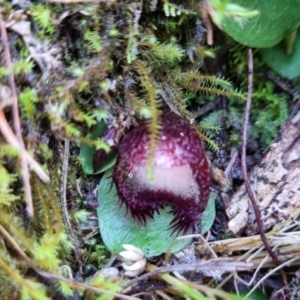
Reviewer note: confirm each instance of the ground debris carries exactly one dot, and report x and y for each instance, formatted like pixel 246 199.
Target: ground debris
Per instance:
pixel 275 182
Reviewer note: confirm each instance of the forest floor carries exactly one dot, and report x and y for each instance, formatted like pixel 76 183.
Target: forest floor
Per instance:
pixel 77 77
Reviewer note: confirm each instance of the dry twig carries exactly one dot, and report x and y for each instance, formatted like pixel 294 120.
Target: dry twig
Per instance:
pixel 205 11
pixel 64 179
pixel 284 239
pixel 243 160
pixel 205 109
pixel 13 141
pixel 19 143
pixel 232 161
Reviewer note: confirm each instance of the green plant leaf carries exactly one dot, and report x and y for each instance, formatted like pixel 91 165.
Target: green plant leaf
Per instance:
pixel 276 20
pixel 256 295
pixel 118 228
pixel 280 62
pixel 87 152
pixel 208 216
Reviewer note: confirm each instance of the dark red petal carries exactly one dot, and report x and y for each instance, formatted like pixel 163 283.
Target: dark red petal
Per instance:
pixel 181 172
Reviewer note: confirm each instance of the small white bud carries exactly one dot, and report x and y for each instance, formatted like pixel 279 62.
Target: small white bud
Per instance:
pixel 131 255
pixel 134 260
pixel 139 265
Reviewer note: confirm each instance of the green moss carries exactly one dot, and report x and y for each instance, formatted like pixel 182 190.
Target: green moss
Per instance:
pixel 42 15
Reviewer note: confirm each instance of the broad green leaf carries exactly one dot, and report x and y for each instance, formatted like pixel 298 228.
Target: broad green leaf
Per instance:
pixel 279 61
pixel 118 228
pixel 87 152
pixel 276 19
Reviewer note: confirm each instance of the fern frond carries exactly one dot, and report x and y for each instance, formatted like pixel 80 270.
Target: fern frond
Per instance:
pixel 7 197
pixel 214 91
pixel 170 9
pixel 99 115
pixel 211 143
pixel 200 79
pixel 208 128
pixel 173 10
pixel 153 124
pixel 212 121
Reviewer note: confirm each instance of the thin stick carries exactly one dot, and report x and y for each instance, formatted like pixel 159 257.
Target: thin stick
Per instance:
pixel 13 243
pixel 205 109
pixel 232 161
pixel 64 180
pixel 13 141
pixel 287 263
pixel 206 21
pixel 16 117
pixel 283 85
pixel 204 241
pixel 244 165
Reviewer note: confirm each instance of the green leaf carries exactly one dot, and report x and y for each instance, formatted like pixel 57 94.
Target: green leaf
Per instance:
pixel 208 216
pixel 118 228
pixel 87 151
pixel 276 20
pixel 279 61
pixel 256 295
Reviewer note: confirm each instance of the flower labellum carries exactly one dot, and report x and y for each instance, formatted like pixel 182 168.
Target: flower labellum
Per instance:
pixel 181 176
